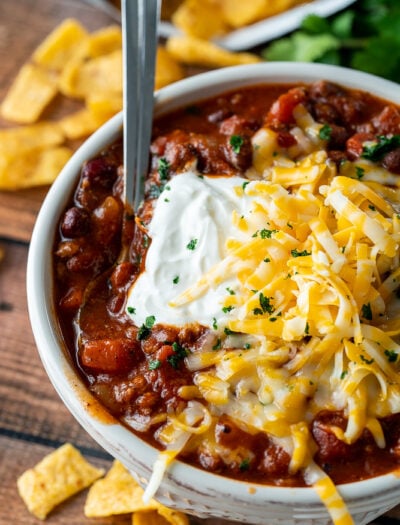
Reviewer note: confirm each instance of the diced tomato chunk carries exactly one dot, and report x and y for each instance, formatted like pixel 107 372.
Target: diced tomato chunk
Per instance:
pixel 110 355
pixel 281 111
pixel 355 144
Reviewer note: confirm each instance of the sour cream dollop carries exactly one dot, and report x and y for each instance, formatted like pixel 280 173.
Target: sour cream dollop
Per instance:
pixel 191 223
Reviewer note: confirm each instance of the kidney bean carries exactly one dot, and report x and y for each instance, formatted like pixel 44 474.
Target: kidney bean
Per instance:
pixel 100 172
pixel 122 274
pixel 75 223
pixel 106 220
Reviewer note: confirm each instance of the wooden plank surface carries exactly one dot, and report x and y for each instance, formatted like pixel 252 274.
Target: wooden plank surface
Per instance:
pixel 33 420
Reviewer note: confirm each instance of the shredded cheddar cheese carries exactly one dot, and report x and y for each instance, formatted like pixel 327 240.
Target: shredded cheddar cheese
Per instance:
pixel 312 320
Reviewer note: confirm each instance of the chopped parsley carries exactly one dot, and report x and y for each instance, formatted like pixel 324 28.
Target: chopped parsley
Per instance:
pixel 296 253
pixel 179 354
pixel 365 360
pixel 264 233
pixel 391 355
pixel 307 329
pixel 227 309
pixel 131 310
pixel 230 291
pixel 366 311
pixel 175 280
pixel 215 324
pixel 267 260
pixel 236 141
pixel 376 150
pixel 154 191
pixel 228 331
pixel 265 305
pixel 154 364
pixel 163 168
pixel 245 184
pixel 145 329
pixel 192 244
pixel 344 374
pixel 244 464
pixel 217 345
pixel 325 132
pixel 360 172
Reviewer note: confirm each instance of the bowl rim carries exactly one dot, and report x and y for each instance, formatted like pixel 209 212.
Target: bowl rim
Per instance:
pixel 66 381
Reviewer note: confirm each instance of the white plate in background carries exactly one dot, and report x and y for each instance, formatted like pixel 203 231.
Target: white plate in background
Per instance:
pixel 270 28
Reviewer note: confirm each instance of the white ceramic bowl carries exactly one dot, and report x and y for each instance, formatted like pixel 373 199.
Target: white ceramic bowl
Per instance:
pixel 185 487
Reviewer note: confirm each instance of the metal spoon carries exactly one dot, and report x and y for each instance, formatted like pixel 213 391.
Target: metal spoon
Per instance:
pixel 139 37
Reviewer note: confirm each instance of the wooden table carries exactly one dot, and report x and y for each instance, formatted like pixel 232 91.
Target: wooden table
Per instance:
pixel 33 420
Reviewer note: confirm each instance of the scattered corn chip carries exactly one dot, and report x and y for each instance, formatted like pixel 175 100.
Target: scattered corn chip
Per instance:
pixel 99 74
pixel 200 19
pixel 173 516
pixel 34 168
pixel 104 105
pixel 31 91
pixel 57 477
pixel 151 517
pixel 195 51
pixel 17 141
pixel 168 70
pixel 61 45
pixel 237 13
pixel 105 41
pixel 116 493
pixel 80 124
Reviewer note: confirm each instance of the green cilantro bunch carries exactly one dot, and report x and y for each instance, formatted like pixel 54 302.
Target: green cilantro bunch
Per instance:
pixel 366 36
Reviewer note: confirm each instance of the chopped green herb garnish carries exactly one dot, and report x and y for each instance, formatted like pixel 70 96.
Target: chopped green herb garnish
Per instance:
pixel 227 309
pixel 266 306
pixel 267 260
pixel 307 329
pixel 179 354
pixel 365 360
pixel 245 464
pixel 228 331
pixel 325 132
pixel 264 233
pixel 360 172
pixel 236 141
pixel 175 280
pixel 391 355
pixel 245 184
pixel 372 207
pixel 131 310
pixel 344 374
pixel 296 253
pixel 366 311
pixel 192 244
pixel 230 291
pixel 163 168
pixel 154 191
pixel 154 364
pixel 247 346
pixel 145 330
pixel 217 345
pixel 215 324
pixel 376 150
